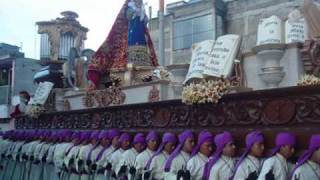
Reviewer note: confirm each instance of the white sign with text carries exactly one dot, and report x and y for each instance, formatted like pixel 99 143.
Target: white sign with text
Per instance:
pixel 296 30
pixel 42 93
pixel 270 31
pixel 221 60
pixel 200 55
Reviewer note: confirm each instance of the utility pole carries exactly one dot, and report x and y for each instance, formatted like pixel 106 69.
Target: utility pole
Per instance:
pixel 150 17
pixel 161 33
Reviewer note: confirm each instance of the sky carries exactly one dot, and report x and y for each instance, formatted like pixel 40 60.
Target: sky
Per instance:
pixel 18 18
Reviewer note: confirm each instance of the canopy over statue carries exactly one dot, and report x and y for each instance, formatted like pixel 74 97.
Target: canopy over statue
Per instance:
pixel 128 41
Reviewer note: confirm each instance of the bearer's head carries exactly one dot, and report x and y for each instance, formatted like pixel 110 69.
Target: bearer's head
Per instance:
pixel 24 96
pixel 188 140
pixel 85 137
pixel 94 138
pixel 225 144
pixel 76 138
pixel 104 138
pixel 169 140
pixel 124 140
pixel 285 143
pixel 114 136
pixel 139 142
pixel 152 140
pixel 204 144
pixel 255 144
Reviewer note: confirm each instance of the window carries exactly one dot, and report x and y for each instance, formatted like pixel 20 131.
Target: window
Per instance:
pixel 190 31
pixel 4 77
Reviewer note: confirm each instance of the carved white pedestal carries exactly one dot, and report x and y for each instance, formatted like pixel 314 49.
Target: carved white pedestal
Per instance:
pixel 271 71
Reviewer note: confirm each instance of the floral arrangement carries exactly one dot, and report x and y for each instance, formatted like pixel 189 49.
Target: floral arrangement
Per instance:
pixel 116 80
pixel 164 74
pixel 206 91
pixel 147 78
pixel 104 97
pixel 35 110
pixel 309 80
pixel 158 74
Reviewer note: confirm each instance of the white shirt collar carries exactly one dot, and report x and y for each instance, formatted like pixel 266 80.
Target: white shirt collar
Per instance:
pixel 202 156
pixel 281 158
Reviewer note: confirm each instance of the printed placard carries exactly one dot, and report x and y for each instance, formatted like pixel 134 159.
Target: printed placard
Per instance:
pixel 222 56
pixel 42 93
pixel 270 31
pixel 200 56
pixel 296 31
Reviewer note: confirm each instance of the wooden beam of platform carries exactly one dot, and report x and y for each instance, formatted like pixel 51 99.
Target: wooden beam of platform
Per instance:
pixel 295 109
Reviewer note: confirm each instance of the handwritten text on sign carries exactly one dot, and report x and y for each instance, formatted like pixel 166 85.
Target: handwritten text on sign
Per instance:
pixel 222 56
pixel 200 55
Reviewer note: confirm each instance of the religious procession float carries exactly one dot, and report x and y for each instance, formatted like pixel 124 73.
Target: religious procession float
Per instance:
pixel 269 94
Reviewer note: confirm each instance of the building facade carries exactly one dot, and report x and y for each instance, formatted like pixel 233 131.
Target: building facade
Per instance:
pixel 16 74
pixel 197 20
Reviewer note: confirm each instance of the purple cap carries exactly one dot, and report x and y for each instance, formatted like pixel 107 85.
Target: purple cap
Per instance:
pixel 124 137
pixel 47 134
pixel 166 138
pixel 103 134
pixel 204 136
pixel 85 135
pixel 113 133
pixel 182 138
pixel 76 135
pixel 139 138
pixel 95 135
pixel 251 139
pixel 55 135
pixel 152 136
pixel 220 141
pixel 314 145
pixel 282 140
pixel 64 134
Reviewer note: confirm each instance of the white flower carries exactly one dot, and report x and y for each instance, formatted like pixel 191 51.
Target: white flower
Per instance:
pixel 309 80
pixel 205 91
